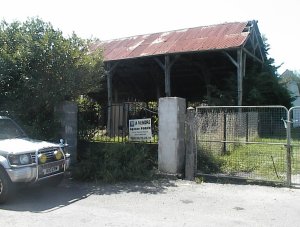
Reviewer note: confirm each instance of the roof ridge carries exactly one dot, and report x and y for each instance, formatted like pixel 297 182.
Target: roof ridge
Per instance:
pixel 222 36
pixel 175 30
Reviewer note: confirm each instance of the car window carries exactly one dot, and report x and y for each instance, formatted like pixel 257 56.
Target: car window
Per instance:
pixel 9 130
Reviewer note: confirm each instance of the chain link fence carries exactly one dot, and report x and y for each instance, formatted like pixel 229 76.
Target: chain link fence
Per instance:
pixel 246 142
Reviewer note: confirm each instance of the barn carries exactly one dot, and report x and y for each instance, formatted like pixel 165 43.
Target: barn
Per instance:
pixel 190 63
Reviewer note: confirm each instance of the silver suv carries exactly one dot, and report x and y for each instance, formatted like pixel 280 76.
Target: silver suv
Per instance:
pixel 24 160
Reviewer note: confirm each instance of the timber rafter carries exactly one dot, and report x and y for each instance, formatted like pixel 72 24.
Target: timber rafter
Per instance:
pixel 253 46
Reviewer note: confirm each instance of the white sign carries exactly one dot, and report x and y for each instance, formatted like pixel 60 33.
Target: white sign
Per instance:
pixel 140 130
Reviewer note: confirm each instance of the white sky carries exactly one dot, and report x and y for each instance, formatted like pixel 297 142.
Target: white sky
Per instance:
pixel 108 19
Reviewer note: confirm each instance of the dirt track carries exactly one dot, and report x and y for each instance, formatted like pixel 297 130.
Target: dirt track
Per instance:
pixel 157 203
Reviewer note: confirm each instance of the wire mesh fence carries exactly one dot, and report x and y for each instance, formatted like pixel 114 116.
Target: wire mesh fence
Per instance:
pixel 242 142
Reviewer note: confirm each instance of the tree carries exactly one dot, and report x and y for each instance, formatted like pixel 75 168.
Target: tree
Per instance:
pixel 39 68
pixel 262 85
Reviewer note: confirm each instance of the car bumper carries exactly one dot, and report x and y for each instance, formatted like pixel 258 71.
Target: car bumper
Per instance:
pixel 23 174
pixel 29 173
pixel 67 161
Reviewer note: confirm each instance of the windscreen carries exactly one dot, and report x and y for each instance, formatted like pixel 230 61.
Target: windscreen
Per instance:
pixel 10 130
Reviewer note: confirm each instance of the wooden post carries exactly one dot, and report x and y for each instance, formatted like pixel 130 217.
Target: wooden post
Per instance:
pixel 166 67
pixel 191 149
pixel 167 76
pixel 109 69
pixel 224 133
pixel 240 71
pixel 109 101
pixel 240 64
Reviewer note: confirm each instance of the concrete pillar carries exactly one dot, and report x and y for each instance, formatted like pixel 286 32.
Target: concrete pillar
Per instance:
pixel 171 148
pixel 190 146
pixel 67 114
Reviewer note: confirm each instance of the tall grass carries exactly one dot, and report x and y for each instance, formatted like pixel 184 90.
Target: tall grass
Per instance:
pixel 260 160
pixel 116 162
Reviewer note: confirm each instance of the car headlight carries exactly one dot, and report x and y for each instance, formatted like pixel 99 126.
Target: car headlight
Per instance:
pixel 58 154
pixel 42 158
pixel 23 159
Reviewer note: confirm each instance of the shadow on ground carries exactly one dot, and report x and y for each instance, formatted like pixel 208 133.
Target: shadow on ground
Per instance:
pixel 238 181
pixel 38 199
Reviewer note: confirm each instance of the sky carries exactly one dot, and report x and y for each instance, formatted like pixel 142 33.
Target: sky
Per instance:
pixel 277 20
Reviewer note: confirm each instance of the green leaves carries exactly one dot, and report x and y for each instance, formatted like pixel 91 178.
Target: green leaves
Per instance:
pixel 263 88
pixel 39 68
pixel 116 162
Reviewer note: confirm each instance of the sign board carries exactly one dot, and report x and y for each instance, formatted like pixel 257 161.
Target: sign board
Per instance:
pixel 140 130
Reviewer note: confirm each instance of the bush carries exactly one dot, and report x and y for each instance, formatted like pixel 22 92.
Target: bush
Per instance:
pixel 88 118
pixel 208 163
pixel 116 162
pixel 40 69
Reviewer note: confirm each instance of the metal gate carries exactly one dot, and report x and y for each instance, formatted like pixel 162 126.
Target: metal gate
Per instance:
pixel 255 143
pixel 114 127
pixel 293 127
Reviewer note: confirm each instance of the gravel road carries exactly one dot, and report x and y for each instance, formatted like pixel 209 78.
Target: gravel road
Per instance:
pixel 164 202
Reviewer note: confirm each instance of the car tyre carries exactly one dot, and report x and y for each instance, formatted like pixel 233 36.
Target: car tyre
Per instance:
pixel 5 186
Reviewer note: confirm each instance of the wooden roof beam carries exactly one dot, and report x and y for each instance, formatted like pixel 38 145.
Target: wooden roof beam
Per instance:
pixel 166 67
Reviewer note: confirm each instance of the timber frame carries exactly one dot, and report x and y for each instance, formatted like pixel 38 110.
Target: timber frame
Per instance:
pixel 188 74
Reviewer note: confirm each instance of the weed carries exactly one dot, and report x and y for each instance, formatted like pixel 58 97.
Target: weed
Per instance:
pixel 116 162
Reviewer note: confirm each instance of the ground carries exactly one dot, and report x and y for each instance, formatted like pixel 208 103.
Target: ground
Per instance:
pixel 163 202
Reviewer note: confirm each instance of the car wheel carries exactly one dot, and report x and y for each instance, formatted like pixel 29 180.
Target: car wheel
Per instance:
pixel 5 186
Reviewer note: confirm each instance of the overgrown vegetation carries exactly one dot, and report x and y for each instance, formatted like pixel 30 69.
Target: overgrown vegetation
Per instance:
pixel 40 68
pixel 255 161
pixel 262 84
pixel 89 115
pixel 207 162
pixel 116 162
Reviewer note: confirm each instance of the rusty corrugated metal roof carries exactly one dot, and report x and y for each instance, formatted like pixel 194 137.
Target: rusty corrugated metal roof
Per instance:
pixel 214 37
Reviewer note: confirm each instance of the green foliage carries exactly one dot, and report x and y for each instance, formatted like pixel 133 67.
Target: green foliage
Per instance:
pixel 262 85
pixel 258 160
pixel 116 162
pixel 223 91
pixel 263 88
pixel 39 68
pixel 262 161
pixel 88 118
pixel 207 162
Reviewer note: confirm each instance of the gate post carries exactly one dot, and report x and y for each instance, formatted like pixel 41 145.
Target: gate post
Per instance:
pixel 288 152
pixel 190 149
pixel 171 152
pixel 67 114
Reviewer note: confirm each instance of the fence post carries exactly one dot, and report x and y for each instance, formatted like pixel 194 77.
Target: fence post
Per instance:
pixel 288 151
pixel 224 133
pixel 247 127
pixel 190 149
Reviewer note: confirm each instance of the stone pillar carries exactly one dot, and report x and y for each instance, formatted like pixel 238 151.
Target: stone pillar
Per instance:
pixel 67 114
pixel 171 148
